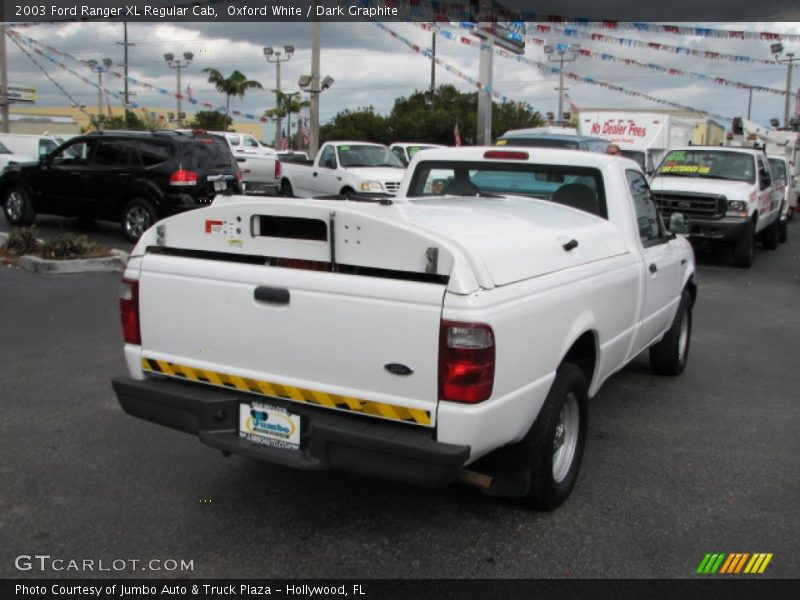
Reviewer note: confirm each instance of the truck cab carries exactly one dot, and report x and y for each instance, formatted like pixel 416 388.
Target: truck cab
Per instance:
pixel 728 194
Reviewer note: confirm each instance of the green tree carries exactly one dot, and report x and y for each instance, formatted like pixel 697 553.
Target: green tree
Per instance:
pixel 132 122
pixel 210 120
pixel 289 103
pixel 237 84
pixel 363 124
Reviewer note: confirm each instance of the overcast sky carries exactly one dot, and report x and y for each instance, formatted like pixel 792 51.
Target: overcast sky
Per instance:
pixel 372 68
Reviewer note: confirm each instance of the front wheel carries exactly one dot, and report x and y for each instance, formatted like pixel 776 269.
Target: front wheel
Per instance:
pixel 557 439
pixel 669 356
pixel 18 207
pixel 771 235
pixel 745 248
pixel 137 217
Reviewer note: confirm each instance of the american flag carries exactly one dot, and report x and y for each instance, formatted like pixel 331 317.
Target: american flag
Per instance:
pixel 572 105
pixel 306 136
pixel 189 92
pixel 457 135
pixel 284 141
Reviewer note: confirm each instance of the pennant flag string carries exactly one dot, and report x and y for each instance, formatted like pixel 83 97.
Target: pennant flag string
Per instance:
pixel 46 52
pixel 448 35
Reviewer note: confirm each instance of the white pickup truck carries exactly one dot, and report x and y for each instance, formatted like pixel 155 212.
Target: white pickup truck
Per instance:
pixel 455 332
pixel 727 192
pixel 344 168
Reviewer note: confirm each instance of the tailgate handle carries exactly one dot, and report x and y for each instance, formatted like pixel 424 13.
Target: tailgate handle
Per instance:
pixel 272 295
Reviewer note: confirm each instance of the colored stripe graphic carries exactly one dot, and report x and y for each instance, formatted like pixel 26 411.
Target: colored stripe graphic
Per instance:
pixel 265 388
pixel 734 563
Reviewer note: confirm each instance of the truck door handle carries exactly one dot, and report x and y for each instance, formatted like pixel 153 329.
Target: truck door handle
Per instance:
pixel 653 267
pixel 570 245
pixel 272 295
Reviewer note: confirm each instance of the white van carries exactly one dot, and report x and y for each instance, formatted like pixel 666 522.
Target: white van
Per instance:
pixel 33 146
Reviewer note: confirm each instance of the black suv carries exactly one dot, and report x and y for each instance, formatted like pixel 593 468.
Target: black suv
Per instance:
pixel 135 178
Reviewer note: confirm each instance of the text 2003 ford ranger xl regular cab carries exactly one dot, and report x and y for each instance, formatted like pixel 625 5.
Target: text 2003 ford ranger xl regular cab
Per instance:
pixel 464 323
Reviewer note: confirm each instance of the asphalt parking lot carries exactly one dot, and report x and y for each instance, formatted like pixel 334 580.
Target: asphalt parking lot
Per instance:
pixel 674 467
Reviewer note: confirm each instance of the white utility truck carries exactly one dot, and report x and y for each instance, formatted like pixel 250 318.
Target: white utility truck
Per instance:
pixel 642 136
pixel 777 144
pixel 727 193
pixel 455 332
pixel 344 168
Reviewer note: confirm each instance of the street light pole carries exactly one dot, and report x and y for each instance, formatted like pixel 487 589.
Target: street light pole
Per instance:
pixel 276 56
pixel 100 68
pixel 313 142
pixel 777 50
pixel 178 64
pixel 561 53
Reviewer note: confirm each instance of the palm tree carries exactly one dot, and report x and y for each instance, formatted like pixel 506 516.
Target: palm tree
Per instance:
pixel 288 103
pixel 235 85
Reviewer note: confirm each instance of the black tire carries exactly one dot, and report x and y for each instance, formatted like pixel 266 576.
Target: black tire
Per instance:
pixel 670 355
pixel 783 232
pixel 744 249
pixel 554 470
pixel 138 215
pixel 286 189
pixel 770 236
pixel 17 206
pixel 347 191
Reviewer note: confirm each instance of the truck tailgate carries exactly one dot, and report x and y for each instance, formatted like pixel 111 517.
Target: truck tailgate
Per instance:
pixel 317 337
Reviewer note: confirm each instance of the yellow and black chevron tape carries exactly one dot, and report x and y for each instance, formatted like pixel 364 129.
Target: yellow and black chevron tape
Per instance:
pixel 295 394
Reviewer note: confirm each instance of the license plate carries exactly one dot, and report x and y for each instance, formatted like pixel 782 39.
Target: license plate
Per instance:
pixel 269 425
pixel 220 186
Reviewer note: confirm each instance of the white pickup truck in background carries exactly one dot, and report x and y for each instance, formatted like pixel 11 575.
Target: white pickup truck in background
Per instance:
pixel 455 332
pixel 728 194
pixel 260 167
pixel 344 168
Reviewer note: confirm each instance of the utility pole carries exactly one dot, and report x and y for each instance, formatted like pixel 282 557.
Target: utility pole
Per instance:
pixel 178 64
pixel 313 141
pixel 433 65
pixel 749 100
pixel 561 53
pixel 777 50
pixel 276 56
pixel 125 45
pixel 3 70
pixel 485 74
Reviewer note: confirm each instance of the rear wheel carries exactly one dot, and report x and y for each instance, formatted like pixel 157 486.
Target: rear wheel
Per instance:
pixel 137 217
pixel 18 207
pixel 669 356
pixel 556 440
pixel 286 189
pixel 744 249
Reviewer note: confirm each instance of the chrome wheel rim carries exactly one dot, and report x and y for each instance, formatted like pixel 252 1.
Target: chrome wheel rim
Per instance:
pixel 683 339
pixel 137 221
pixel 565 440
pixel 14 204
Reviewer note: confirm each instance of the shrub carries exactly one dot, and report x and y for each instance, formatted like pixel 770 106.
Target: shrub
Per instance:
pixel 21 241
pixel 66 246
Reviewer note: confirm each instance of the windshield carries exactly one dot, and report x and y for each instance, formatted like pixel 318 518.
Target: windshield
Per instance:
pixel 709 164
pixel 578 187
pixel 368 156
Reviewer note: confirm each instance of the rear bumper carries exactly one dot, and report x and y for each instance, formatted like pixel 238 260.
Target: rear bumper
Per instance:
pixel 329 440
pixel 727 229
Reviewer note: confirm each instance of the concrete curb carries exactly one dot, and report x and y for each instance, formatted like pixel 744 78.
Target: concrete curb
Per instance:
pixel 115 262
pixel 105 264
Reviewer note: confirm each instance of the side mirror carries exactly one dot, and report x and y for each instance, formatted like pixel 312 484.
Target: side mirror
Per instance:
pixel 678 224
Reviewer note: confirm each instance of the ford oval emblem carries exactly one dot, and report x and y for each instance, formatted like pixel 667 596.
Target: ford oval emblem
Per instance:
pixel 398 369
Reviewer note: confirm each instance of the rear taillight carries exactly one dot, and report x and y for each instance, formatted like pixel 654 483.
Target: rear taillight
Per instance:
pixel 183 177
pixel 466 362
pixel 240 174
pixel 277 169
pixel 129 311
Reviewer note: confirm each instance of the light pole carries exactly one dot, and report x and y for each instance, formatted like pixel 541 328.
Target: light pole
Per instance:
pixel 178 64
pixel 561 53
pixel 309 84
pixel 276 56
pixel 777 50
pixel 100 68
